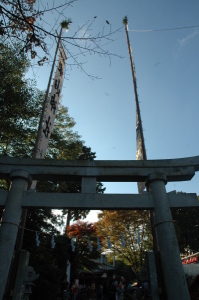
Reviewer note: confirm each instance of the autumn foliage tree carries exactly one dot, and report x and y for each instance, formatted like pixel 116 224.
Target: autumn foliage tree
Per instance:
pixel 83 235
pixel 129 233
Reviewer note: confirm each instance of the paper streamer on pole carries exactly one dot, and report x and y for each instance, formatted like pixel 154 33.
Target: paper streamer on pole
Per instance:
pixel 72 245
pixel 37 240
pixel 109 242
pixel 90 246
pixel 98 244
pixel 139 240
pixel 122 240
pixel 52 106
pixel 53 242
pixel 68 271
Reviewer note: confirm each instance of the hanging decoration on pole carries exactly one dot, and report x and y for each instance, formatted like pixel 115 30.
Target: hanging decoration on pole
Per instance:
pixel 68 268
pixel 53 242
pixel 37 240
pixel 72 245
pixel 52 106
pixel 109 243
pixel 98 244
pixel 89 245
pixel 139 239
pixel 122 241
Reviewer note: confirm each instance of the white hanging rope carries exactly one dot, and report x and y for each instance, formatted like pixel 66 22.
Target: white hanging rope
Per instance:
pixel 164 29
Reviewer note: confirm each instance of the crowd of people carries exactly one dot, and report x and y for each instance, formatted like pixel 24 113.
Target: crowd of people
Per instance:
pixel 81 292
pixel 118 290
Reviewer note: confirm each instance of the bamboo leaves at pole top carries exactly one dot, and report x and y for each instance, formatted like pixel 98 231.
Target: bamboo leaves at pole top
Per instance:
pixel 125 20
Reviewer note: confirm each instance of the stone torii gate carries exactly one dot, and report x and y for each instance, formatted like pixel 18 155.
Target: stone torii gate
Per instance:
pixel 155 173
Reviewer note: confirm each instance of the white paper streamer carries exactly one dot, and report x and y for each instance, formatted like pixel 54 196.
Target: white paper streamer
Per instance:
pixel 72 245
pixel 98 244
pixel 53 242
pixel 122 240
pixel 90 246
pixel 109 242
pixel 139 240
pixel 37 240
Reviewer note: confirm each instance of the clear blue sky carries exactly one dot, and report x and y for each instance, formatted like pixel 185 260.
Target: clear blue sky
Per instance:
pixel 167 69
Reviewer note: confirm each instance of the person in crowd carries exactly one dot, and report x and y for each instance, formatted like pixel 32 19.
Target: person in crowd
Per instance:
pixel 100 292
pixel 75 291
pixel 89 292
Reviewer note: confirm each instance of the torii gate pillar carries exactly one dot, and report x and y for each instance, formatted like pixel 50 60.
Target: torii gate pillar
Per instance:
pixel 10 223
pixel 168 246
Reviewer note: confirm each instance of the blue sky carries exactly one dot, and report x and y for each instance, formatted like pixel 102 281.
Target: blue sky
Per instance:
pixel 167 70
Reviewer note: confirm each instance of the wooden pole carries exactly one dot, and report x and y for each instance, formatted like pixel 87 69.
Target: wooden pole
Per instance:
pixel 135 91
pixel 155 246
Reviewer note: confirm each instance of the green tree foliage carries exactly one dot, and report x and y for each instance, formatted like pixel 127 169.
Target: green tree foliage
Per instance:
pixel 18 96
pixel 126 223
pixel 20 110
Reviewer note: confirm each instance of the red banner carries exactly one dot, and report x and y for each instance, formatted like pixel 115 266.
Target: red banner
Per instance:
pixel 190 261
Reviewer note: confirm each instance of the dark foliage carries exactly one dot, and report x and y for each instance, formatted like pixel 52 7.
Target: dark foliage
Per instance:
pixel 186 223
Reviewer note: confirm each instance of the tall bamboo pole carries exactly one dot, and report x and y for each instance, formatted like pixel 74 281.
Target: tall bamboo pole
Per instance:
pixel 139 123
pixel 135 91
